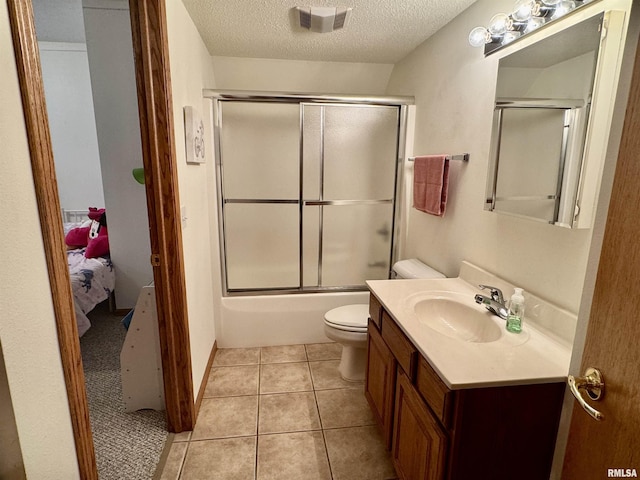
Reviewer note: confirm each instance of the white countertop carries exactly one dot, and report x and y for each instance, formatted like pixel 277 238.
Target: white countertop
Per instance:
pixel 533 356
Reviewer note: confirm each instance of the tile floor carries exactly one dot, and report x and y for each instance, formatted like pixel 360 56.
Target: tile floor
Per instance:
pixel 280 413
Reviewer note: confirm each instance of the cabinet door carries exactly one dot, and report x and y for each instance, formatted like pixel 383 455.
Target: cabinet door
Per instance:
pixel 380 381
pixel 419 443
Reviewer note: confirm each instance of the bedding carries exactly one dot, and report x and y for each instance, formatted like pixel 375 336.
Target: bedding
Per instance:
pixel 92 281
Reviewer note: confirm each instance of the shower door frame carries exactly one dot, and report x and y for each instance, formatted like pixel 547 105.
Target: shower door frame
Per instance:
pixel 220 96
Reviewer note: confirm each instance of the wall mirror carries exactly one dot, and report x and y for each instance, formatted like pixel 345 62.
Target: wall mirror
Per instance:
pixel 543 124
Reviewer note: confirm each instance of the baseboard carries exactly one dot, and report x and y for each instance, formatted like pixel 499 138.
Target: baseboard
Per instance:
pixel 112 305
pixel 203 384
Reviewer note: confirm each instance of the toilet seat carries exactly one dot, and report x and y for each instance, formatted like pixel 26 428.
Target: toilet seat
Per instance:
pixel 350 318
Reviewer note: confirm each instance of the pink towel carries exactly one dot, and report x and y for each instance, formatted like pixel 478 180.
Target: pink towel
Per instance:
pixel 430 184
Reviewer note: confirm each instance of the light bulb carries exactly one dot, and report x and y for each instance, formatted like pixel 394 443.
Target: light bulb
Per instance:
pixel 479 36
pixel 523 10
pixel 533 24
pixel 563 8
pixel 499 24
pixel 510 37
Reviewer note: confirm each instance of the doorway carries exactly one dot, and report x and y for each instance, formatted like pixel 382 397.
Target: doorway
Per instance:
pixel 149 32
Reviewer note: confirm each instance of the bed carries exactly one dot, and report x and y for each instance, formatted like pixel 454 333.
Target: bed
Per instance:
pixel 92 279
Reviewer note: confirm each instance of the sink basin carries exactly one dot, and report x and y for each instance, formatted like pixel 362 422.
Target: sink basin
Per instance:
pixel 456 316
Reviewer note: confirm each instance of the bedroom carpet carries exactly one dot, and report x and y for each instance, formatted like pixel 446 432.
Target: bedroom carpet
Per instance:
pixel 128 445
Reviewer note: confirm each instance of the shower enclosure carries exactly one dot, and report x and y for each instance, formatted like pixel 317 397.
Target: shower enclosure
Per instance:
pixel 307 188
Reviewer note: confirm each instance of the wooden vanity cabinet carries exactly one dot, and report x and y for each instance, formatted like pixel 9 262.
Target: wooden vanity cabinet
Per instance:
pixel 380 382
pixel 436 433
pixel 419 442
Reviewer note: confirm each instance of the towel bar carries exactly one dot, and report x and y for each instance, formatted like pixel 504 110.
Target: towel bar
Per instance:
pixel 464 157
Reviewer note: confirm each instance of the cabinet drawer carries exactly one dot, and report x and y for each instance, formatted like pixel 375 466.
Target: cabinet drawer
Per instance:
pixel 399 345
pixel 375 310
pixel 434 391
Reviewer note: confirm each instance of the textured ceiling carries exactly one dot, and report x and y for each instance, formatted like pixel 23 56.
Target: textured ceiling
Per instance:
pixel 379 31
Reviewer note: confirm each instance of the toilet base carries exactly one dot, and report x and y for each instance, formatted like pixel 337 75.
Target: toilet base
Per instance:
pixel 353 363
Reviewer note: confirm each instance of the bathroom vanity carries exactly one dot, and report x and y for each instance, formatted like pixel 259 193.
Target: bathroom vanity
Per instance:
pixel 453 407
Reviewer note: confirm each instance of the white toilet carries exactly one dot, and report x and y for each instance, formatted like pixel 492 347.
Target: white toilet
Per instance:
pixel 347 325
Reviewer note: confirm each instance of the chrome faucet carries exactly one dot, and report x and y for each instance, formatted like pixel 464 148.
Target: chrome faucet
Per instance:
pixel 494 303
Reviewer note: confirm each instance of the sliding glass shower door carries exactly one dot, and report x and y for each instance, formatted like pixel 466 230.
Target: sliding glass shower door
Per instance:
pixel 307 194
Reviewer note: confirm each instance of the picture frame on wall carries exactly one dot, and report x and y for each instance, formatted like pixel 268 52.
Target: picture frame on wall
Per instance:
pixel 194 136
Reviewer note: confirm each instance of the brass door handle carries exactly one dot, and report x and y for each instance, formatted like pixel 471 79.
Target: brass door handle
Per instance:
pixel 593 384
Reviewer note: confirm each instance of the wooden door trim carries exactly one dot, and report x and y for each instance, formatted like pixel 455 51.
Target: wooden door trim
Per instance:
pixel 46 188
pixel 151 52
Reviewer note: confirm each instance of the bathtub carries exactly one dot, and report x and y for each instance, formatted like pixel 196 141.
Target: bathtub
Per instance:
pixel 267 320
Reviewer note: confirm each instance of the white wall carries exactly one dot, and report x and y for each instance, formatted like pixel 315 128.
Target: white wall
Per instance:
pixel 568 79
pixel 65 72
pixel 191 71
pixel 27 324
pixel 454 87
pixel 113 82
pixel 263 74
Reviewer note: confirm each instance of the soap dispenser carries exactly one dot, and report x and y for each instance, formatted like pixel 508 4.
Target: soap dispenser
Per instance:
pixel 516 312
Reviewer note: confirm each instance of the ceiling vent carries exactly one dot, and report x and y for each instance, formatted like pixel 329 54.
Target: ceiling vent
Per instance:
pixel 323 19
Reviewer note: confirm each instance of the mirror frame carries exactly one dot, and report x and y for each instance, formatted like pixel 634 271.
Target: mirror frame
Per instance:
pixel 599 118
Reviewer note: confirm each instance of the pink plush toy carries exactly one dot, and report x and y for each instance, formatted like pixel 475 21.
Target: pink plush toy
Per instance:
pixel 94 237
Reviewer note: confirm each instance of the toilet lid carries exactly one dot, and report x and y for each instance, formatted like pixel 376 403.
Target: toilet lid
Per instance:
pixel 351 317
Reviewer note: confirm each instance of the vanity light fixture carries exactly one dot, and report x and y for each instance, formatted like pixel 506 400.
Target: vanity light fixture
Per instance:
pixel 527 16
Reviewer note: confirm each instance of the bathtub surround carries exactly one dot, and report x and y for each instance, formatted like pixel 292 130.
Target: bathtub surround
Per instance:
pixel 270 320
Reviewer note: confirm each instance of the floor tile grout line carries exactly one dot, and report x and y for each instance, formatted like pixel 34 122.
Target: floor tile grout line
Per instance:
pixel 231 396
pixel 255 460
pixel 313 384
pixel 215 439
pixel 288 432
pixel 324 438
pixel 184 459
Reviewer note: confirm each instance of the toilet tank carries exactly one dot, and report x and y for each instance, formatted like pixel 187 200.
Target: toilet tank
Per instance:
pixel 414 268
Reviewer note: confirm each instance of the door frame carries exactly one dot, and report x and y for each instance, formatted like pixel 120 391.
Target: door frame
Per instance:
pixel 149 35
